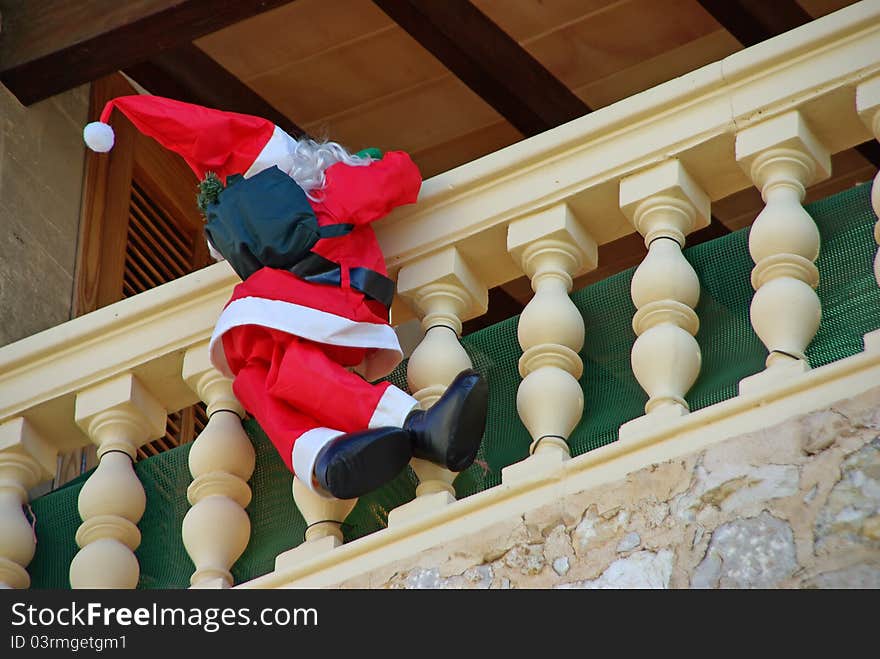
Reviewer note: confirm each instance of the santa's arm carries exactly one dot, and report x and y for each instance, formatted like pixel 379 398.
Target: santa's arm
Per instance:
pixel 363 194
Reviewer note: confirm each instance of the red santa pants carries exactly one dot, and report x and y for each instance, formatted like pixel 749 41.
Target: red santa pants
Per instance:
pixel 303 394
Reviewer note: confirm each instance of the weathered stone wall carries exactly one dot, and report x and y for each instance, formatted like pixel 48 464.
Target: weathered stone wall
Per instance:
pixel 41 169
pixel 793 506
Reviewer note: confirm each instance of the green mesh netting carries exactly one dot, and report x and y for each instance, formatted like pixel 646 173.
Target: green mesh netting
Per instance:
pixel 850 304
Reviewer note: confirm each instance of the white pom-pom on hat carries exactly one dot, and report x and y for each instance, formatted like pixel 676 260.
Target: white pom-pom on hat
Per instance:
pixel 98 136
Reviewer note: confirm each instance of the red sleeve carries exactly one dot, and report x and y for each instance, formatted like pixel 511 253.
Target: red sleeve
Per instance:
pixel 363 194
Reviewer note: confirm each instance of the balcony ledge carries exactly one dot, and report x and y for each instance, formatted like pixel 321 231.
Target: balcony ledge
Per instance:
pixel 655 444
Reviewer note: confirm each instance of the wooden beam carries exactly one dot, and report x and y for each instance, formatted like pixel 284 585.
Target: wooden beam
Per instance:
pixel 716 229
pixel 51 46
pixel 870 151
pixel 489 61
pixel 754 21
pixel 189 74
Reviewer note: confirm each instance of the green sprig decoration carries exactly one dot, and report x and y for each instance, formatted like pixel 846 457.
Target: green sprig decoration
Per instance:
pixel 209 190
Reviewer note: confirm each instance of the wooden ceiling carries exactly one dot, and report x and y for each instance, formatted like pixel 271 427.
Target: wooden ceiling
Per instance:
pixel 347 70
pixel 446 80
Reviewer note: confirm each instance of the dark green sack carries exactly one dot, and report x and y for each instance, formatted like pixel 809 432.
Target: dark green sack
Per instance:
pixel 264 221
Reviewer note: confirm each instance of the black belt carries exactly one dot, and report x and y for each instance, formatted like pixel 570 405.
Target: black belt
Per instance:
pixel 318 270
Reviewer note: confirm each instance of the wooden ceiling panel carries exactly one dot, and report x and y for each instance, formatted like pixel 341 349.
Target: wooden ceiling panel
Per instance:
pixel 464 148
pixel 656 70
pixel 605 42
pixel 361 72
pixel 417 119
pixel 291 33
pixel 489 61
pixel 528 19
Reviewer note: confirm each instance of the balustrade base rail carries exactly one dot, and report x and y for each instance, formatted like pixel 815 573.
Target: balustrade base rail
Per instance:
pixel 730 351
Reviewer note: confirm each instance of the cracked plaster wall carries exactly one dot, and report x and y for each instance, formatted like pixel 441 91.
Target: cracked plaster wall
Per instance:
pixel 796 505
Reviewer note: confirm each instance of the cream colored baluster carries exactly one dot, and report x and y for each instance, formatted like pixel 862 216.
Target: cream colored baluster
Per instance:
pixel 782 157
pixel 444 291
pixel 664 204
pixel 324 517
pixel 118 415
pixel 216 529
pixel 868 106
pixel 26 459
pixel 551 247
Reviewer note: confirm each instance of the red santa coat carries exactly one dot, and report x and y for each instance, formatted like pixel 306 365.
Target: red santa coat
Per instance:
pixel 289 343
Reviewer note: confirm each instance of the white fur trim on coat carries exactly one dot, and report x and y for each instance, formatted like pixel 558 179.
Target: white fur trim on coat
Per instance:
pixel 311 324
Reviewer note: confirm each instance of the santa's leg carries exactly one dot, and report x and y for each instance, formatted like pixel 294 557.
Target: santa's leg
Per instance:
pixel 305 376
pixel 448 434
pixel 283 425
pixel 371 457
pixel 377 427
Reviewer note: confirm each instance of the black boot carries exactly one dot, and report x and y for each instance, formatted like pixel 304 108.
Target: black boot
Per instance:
pixel 359 462
pixel 449 432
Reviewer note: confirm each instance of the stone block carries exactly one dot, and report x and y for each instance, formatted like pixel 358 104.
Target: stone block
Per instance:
pixel 641 570
pixel 755 552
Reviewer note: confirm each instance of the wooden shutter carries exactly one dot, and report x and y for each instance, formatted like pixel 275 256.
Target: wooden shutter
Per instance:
pixel 140 228
pixel 158 249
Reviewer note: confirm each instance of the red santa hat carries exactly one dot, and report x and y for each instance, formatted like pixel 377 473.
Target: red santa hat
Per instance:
pixel 209 140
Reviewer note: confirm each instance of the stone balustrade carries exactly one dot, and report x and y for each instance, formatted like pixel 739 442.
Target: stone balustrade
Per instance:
pixel 769 116
pixel 552 246
pixel 444 291
pixel 665 204
pixel 26 459
pixel 216 529
pixel 119 415
pixel 783 156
